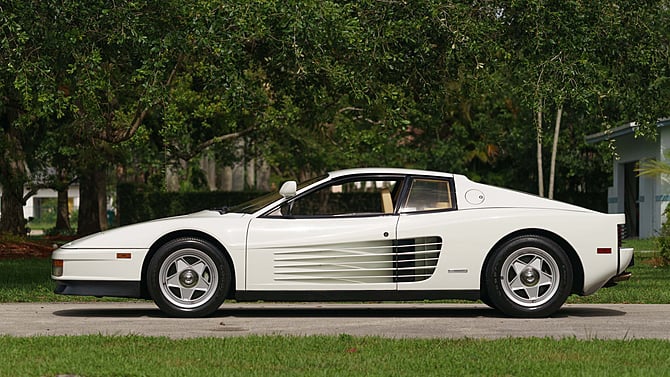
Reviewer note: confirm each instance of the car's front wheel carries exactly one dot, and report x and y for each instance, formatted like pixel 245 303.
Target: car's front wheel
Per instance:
pixel 188 277
pixel 528 276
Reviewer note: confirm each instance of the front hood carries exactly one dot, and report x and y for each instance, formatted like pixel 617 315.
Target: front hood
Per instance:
pixel 143 235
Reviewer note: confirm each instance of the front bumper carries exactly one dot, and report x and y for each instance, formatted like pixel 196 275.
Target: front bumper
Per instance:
pixel 130 289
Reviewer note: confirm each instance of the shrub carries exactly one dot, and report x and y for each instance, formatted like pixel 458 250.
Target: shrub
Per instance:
pixel 663 239
pixel 136 203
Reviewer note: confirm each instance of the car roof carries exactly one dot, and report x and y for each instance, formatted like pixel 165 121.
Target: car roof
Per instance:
pixel 401 171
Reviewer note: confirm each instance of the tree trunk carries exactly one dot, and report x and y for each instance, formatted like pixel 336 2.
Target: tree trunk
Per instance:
pixel 540 171
pixel 63 212
pixel 554 151
pixel 12 220
pixel 13 176
pixel 92 203
pixel 101 181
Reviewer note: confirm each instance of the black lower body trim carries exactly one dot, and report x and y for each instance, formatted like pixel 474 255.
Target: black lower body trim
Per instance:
pixel 355 295
pixel 129 289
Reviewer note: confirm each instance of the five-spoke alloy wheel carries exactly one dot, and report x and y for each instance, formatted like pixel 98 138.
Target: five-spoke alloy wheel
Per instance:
pixel 188 277
pixel 528 276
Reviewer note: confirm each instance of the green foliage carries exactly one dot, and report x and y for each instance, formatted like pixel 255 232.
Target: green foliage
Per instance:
pixel 663 239
pixel 60 232
pixel 655 168
pixel 311 86
pixel 9 237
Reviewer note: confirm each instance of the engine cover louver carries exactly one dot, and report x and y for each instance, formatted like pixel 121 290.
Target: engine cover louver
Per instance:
pixel 406 260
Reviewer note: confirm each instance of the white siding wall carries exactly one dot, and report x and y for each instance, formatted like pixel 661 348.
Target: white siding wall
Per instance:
pixel 651 196
pixel 29 208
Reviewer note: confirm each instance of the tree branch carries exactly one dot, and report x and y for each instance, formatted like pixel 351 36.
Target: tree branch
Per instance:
pixel 216 140
pixel 188 155
pixel 141 113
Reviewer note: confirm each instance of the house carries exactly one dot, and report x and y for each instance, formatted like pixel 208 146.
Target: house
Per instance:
pixel 44 201
pixel 642 198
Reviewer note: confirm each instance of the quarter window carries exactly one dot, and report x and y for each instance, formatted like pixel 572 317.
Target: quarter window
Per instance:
pixel 430 195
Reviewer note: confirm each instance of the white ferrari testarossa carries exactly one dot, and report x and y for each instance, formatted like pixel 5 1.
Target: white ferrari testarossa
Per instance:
pixel 358 234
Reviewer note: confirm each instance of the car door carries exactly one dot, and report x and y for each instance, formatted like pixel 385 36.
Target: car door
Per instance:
pixel 338 237
pixel 423 229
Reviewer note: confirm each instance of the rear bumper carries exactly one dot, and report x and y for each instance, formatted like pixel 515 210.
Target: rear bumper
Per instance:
pixel 621 277
pixel 626 259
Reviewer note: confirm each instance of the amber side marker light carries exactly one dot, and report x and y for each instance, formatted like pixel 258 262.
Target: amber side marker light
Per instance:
pixel 57 267
pixel 123 255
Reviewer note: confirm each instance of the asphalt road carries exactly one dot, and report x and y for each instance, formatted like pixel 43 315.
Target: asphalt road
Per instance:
pixel 385 320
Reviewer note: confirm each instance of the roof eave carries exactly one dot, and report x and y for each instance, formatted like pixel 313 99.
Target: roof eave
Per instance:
pixel 623 130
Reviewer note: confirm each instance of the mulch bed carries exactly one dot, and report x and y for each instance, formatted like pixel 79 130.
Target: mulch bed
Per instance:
pixel 31 249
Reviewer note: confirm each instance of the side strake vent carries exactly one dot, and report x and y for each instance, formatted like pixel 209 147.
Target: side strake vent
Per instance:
pixel 359 263
pixel 416 258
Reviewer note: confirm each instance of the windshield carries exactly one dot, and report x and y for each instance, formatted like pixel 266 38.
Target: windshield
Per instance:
pixel 256 204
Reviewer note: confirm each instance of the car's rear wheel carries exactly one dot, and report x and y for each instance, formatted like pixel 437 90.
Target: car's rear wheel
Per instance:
pixel 188 277
pixel 528 276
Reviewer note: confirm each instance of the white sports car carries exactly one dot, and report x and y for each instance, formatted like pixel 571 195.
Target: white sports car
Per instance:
pixel 359 234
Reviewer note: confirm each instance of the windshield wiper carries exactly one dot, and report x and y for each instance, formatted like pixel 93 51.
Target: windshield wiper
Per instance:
pixel 221 210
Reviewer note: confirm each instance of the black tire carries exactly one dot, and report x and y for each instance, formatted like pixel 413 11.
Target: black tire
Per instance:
pixel 528 276
pixel 188 277
pixel 484 297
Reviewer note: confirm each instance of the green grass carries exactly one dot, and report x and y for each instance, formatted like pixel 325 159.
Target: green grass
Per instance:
pixel 646 244
pixel 26 280
pixel 29 280
pixel 329 356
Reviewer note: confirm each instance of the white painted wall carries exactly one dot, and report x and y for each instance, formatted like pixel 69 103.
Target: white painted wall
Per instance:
pixel 654 194
pixel 29 208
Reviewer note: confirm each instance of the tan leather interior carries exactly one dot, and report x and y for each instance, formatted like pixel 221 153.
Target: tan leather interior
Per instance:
pixel 387 202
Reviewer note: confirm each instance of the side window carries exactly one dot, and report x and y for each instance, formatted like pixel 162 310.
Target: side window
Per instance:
pixel 430 195
pixel 362 197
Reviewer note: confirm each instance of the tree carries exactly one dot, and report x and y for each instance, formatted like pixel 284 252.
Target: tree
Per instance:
pixel 28 95
pixel 13 176
pixel 121 61
pixel 560 53
pixel 366 83
pixel 136 88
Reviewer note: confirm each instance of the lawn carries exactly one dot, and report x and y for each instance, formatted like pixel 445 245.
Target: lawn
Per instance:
pixel 329 356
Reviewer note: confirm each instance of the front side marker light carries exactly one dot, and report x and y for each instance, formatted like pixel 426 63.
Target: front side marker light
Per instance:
pixel 57 267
